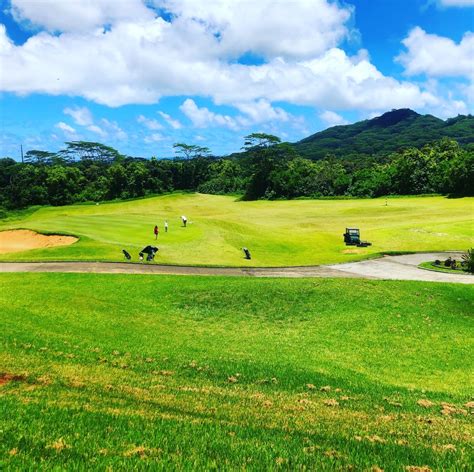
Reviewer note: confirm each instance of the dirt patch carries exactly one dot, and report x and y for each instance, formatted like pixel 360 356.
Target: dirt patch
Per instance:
pixel 23 240
pixel 5 378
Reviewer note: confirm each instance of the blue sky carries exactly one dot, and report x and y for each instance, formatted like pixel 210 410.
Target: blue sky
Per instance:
pixel 141 75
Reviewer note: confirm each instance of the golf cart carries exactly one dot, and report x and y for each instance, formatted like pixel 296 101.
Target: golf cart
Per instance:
pixel 352 238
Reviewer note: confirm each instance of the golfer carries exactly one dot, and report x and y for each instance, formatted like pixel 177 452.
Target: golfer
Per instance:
pixel 166 226
pixel 156 230
pixel 184 220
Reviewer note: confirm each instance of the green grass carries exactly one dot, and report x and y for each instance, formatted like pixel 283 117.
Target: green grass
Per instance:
pixel 277 233
pixel 161 372
pixel 430 265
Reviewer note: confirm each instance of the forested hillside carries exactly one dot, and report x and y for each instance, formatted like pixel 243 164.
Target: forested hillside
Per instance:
pixel 394 130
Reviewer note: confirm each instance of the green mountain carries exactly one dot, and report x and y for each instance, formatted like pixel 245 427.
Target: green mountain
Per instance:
pixel 394 130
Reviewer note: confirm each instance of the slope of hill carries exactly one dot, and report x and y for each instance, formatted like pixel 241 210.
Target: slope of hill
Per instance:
pixel 387 133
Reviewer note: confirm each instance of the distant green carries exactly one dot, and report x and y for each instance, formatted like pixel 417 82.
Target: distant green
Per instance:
pixel 278 233
pixel 160 373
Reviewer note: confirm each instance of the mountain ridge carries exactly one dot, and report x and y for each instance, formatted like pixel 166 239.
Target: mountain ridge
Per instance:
pixel 394 130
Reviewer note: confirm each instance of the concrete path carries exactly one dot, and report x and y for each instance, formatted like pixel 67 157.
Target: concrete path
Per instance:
pixel 405 268
pixel 388 267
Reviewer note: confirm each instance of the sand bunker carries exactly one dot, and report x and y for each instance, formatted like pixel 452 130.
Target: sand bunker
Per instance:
pixel 352 251
pixel 23 240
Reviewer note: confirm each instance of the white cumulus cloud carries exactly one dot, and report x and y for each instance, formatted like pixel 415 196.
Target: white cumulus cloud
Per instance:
pixel 304 28
pixel 81 115
pixel 98 130
pixel 332 118
pixel 68 130
pixel 262 111
pixel 114 129
pixel 192 52
pixel 78 15
pixel 154 138
pixel 437 55
pixel 203 117
pixel 175 124
pixel 149 123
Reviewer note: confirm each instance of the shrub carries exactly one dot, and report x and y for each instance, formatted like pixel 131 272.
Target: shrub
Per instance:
pixel 468 260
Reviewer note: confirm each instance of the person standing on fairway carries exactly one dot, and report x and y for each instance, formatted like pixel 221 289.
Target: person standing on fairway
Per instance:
pixel 166 226
pixel 184 220
pixel 156 230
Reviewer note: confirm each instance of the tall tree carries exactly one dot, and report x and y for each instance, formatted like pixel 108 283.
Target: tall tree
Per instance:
pixel 36 156
pixel 86 150
pixel 259 141
pixel 267 153
pixel 190 151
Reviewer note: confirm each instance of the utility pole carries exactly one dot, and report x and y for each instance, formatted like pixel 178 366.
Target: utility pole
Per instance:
pixel 21 147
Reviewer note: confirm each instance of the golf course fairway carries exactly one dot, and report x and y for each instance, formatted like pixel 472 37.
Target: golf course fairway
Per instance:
pixel 278 233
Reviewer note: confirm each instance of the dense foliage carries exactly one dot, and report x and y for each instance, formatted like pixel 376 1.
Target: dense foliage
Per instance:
pixel 86 171
pixel 468 260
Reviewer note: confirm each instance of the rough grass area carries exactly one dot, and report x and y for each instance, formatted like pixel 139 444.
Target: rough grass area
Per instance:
pixel 161 372
pixel 277 233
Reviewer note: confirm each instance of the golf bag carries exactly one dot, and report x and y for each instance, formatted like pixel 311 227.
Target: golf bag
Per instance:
pixel 246 253
pixel 150 251
pixel 126 254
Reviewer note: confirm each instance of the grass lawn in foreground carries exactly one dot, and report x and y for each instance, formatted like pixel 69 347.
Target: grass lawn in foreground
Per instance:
pixel 170 372
pixel 278 233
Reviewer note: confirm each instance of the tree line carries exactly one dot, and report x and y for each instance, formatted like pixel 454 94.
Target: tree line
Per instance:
pixel 266 169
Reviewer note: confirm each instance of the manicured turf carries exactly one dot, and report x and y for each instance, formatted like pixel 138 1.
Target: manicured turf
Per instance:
pixel 164 372
pixel 277 233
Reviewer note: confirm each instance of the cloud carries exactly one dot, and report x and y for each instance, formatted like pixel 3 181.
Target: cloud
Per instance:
pixel 78 15
pixel 457 3
pixel 468 92
pixel 450 105
pixel 65 127
pixel 304 28
pixel 175 124
pixel 149 123
pixel 203 117
pixel 258 112
pixel 193 52
pixel 262 111
pixel 81 115
pixel 332 119
pixel 437 56
pixel 68 131
pixel 154 138
pixel 115 129
pixel 98 130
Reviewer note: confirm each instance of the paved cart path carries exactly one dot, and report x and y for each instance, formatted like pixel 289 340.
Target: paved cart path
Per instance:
pixel 387 267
